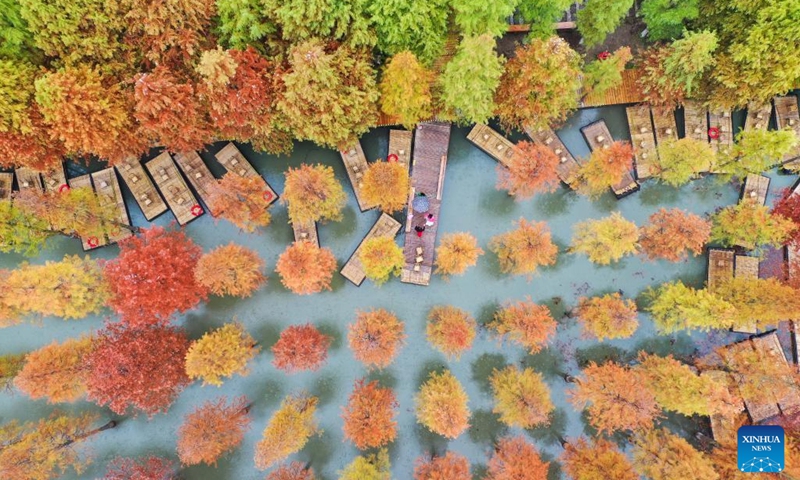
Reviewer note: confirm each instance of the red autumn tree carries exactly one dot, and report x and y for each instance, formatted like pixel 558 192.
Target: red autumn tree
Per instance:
pixel 441 405
pixel 788 206
pixel 451 466
pixel 375 337
pixel 57 372
pixel 243 201
pixel 369 416
pixel 153 277
pixel 609 316
pixel 525 249
pixel 169 112
pixel 212 430
pixel 231 270
pixel 305 268
pixel 146 468
pixel 300 347
pixel 656 86
pixel 451 330
pixel 598 460
pixel 605 168
pixel 525 323
pixel 139 368
pixel 672 233
pixel 514 458
pixel 530 172
pixel 292 471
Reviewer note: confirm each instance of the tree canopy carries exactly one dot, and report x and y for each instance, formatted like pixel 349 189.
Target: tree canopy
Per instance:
pixel 470 79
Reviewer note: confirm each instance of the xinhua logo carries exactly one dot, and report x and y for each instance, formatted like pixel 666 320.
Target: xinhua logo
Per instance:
pixel 761 448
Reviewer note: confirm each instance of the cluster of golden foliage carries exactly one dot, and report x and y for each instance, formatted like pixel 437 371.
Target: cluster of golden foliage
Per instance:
pixel 292 471
pixel 212 430
pixel 241 201
pixel 385 185
pixel 406 89
pixel 515 458
pixel 456 253
pixel 313 194
pixel 609 316
pixel 531 171
pixel 381 258
pixel 522 251
pixel 287 431
pixel 660 455
pixel 305 268
pixel 369 417
pixel 605 168
pixel 371 467
pixel 441 405
pixel 56 372
pixel 376 337
pixel 605 240
pixel 221 353
pixel 525 323
pixel 451 466
pixel 451 330
pixel 599 460
pixel 521 397
pixel 231 270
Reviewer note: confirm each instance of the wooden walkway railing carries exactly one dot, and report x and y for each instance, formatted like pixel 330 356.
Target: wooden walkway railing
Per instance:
pixel 385 226
pixel 144 192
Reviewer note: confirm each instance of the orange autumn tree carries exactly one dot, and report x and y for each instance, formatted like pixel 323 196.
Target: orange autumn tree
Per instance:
pixel 292 471
pixel 598 460
pixel 212 430
pixel 606 393
pixel 451 330
pixel 146 468
pixel 231 270
pixel 375 337
pixel 515 458
pixel 287 431
pixel 451 466
pixel 441 405
pixel 381 258
pixel 609 316
pixel 56 372
pixel 243 201
pixel 370 415
pixel 521 397
pixel 672 233
pixel 522 251
pixel 760 376
pixel 531 171
pixel 605 168
pixel 456 253
pixel 660 455
pixel 300 347
pixel 525 323
pixel 385 185
pixel 605 240
pixel 221 353
pixel 305 268
pixel 313 194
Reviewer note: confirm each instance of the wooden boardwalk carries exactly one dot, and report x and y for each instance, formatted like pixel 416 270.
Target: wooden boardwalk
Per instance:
pixel 355 164
pixel 755 188
pixel 306 232
pixel 627 92
pixel 6 183
pixel 643 139
pixel 180 199
pixel 495 145
pixel 757 116
pixel 400 146
pixel 787 116
pixel 568 167
pixel 695 117
pixel 745 267
pixel 199 176
pixel 664 122
pixel 108 190
pixel 427 176
pixel 385 226
pixel 721 120
pixel 144 192
pixel 89 243
pixel 720 267
pixel 598 136
pixel 28 178
pixel 54 180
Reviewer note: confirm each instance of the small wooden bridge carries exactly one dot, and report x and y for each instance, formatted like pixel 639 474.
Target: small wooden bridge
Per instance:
pixel 695 117
pixel 88 243
pixel 107 188
pixel 29 178
pixel 6 182
pixel 721 120
pixel 757 116
pixel 54 179
pixel 400 146
pixel 787 116
pixel 755 189
pixel 232 159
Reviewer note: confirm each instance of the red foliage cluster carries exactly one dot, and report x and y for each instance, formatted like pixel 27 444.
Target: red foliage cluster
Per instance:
pixel 450 467
pixel 292 471
pixel 300 347
pixel 369 415
pixel 788 206
pixel 147 468
pixel 515 458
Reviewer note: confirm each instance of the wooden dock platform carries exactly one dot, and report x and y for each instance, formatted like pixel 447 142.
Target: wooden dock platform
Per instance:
pixel 721 119
pixel 787 116
pixel 232 159
pixel 144 192
pixel 107 188
pixel 745 267
pixel 643 140
pixel 89 243
pixel 6 184
pixel 695 117
pixel 355 164
pixel 54 180
pixel 385 226
pixel 28 178
pixel 627 91
pixel 598 136
pixel 495 145
pixel 720 267
pixel 568 166
pixel 755 188
pixel 306 232
pixel 428 166
pixel 200 177
pixel 180 199
pixel 665 126
pixel 400 146
pixel 757 116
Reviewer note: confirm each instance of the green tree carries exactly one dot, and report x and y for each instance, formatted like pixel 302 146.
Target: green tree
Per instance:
pixel 542 15
pixel 17 88
pixel 606 240
pixel 20 231
pixel 470 79
pixel 406 89
pixel 420 27
pixel 748 224
pixel 16 39
pixel 242 23
pixel 476 17
pixel 756 151
pixel 689 58
pixel 302 20
pixel 601 17
pixel 665 19
pixel 601 75
pixel 674 306
pixel 680 161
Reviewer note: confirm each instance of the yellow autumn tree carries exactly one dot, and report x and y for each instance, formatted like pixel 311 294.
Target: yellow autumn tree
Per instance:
pixel 456 253
pixel 221 353
pixel 287 431
pixel 606 240
pixel 441 405
pixel 56 372
pixel 381 258
pixel 243 201
pixel 599 460
pixel 451 330
pixel 521 397
pixel 313 194
pixel 609 316
pixel 368 467
pixel 405 89
pixel 385 185
pixel 231 270
pixel 660 455
pixel 522 251
pixel 305 268
pixel 525 323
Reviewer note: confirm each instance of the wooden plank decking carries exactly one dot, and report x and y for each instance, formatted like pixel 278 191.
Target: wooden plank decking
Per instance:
pixel 400 145
pixel 180 199
pixel 28 178
pixel 787 116
pixel 385 226
pixel 757 116
pixel 568 167
pixel 495 145
pixel 144 192
pixel 199 176
pixel 107 188
pixel 643 139
pixel 695 117
pixel 598 136
pixel 427 176
pixel 355 164
pixel 90 243
pixel 665 126
pixel 721 119
pixel 626 92
pixel 232 159
pixel 54 179
pixel 745 267
pixel 720 267
pixel 306 232
pixel 6 183
pixel 755 188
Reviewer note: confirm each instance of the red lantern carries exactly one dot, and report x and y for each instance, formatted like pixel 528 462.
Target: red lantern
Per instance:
pixel 267 196
pixel 197 210
pixel 63 188
pixel 391 158
pixel 604 55
pixel 92 242
pixel 713 133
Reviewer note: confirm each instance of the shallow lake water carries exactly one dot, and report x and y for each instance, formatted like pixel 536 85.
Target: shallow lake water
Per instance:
pixel 470 203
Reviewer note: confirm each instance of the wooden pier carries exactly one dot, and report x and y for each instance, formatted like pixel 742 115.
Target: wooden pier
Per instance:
pixel 400 146
pixel 179 198
pixel 28 178
pixel 144 192
pixel 199 176
pixel 6 184
pixel 643 140
pixel 598 136
pixel 88 243
pixel 787 116
pixel 385 226
pixel 232 159
pixel 108 191
pixel 568 167
pixel 745 267
pixel 428 167
pixel 755 188
pixel 495 145
pixel 695 117
pixel 306 232
pixel 721 120
pixel 757 116
pixel 665 126
pixel 355 164
pixel 54 180
pixel 720 267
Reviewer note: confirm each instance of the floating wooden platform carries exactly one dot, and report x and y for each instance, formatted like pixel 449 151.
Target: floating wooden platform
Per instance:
pixel 54 179
pixel 89 243
pixel 745 267
pixel 6 183
pixel 757 116
pixel 626 92
pixel 306 232
pixel 598 136
pixel 495 145
pixel 28 178
pixel 107 188
pixel 665 126
pixel 787 116
pixel 180 199
pixel 721 119
pixel 142 188
pixel 400 145
pixel 568 167
pixel 232 159
pixel 199 176
pixel 385 226
pixel 755 188
pixel 643 140
pixel 355 164
pixel 695 117
pixel 427 176
pixel 720 267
